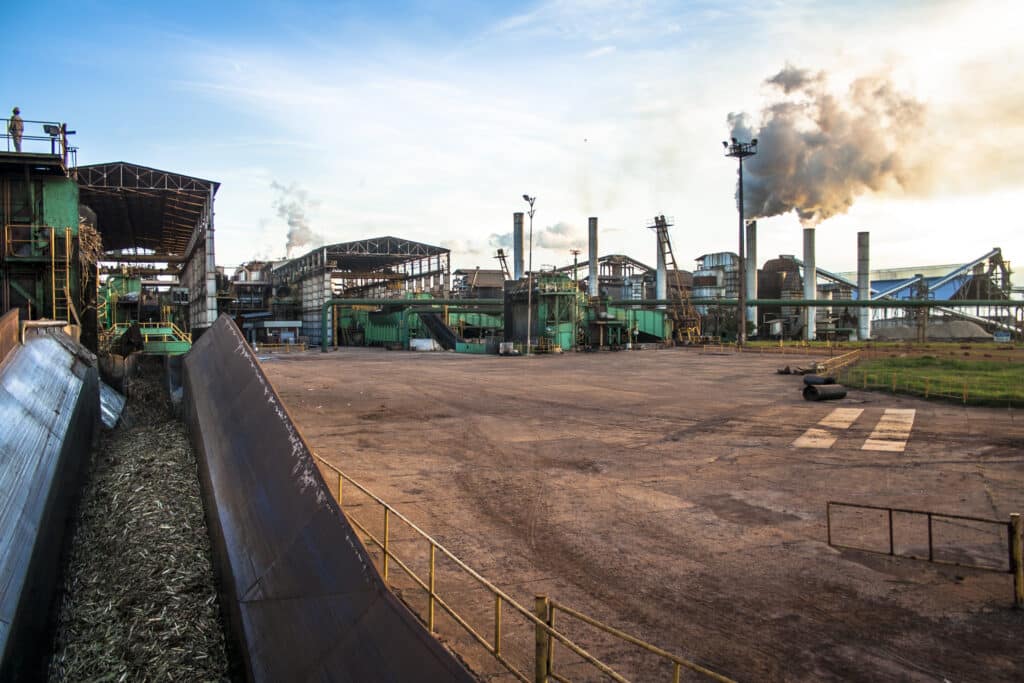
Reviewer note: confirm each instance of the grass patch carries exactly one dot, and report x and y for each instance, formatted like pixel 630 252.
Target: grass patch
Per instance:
pixel 976 382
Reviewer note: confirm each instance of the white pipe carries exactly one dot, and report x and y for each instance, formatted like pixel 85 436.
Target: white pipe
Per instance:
pixel 592 281
pixel 810 283
pixel 863 284
pixel 750 264
pixel 517 245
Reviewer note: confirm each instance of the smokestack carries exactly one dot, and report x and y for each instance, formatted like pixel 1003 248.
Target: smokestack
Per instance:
pixel 592 259
pixel 661 279
pixel 517 245
pixel 863 285
pixel 751 273
pixel 810 282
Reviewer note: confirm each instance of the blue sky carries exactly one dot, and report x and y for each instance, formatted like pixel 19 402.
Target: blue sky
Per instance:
pixel 429 120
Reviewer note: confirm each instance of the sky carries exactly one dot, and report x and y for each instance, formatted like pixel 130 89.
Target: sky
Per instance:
pixel 430 120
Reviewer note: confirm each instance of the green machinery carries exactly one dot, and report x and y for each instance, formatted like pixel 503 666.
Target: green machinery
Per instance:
pixel 124 302
pixel 40 271
pixel 563 317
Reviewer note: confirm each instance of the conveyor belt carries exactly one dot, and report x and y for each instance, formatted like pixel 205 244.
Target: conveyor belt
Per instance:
pixel 302 596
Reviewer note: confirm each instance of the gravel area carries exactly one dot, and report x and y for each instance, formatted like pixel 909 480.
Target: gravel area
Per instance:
pixel 139 599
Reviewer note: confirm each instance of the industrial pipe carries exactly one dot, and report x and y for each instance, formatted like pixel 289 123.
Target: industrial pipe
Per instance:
pixel 824 392
pixel 853 303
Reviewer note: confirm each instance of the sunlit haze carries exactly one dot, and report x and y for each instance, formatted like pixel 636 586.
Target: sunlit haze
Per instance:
pixel 430 120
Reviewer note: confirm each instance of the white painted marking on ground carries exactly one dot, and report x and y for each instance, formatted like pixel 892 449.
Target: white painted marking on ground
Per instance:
pixel 892 431
pixel 815 438
pixel 840 418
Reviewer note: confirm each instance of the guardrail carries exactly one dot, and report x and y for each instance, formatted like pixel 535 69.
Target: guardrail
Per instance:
pixel 1013 535
pixel 545 633
pixel 280 348
pixel 51 137
pixel 983 391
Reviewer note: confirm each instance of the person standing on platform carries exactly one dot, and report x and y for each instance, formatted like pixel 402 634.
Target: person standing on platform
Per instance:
pixel 15 127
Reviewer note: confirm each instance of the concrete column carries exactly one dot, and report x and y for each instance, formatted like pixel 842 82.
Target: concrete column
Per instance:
pixel 750 265
pixel 517 245
pixel 863 285
pixel 592 258
pixel 810 282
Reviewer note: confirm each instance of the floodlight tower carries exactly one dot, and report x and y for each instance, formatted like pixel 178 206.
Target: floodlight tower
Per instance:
pixel 741 150
pixel 529 275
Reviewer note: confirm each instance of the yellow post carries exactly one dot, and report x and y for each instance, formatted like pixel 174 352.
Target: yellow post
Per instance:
pixel 430 604
pixel 894 382
pixel 497 624
pixel 1017 554
pixel 965 392
pixel 387 519
pixel 927 386
pixel 340 480
pixel 542 640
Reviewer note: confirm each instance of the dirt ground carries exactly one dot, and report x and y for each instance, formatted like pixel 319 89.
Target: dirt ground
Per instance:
pixel 662 492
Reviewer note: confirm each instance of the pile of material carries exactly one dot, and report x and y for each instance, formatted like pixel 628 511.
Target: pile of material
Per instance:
pixel 139 600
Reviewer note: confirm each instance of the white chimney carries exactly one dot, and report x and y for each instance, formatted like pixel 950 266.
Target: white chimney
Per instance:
pixel 810 282
pixel 750 265
pixel 863 285
pixel 592 260
pixel 517 245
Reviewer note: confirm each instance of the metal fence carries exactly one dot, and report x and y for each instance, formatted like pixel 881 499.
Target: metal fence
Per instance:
pixel 541 618
pixel 976 390
pixel 41 137
pixel 1014 565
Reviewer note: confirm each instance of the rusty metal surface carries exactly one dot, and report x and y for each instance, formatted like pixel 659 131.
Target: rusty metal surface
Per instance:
pixel 302 597
pixel 8 332
pixel 49 399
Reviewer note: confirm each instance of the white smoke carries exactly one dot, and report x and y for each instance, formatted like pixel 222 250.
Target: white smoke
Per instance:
pixel 818 152
pixel 561 236
pixel 292 204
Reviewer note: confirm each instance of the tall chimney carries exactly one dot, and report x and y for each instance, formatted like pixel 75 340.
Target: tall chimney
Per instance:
pixel 750 265
pixel 592 257
pixel 661 275
pixel 863 285
pixel 517 245
pixel 810 283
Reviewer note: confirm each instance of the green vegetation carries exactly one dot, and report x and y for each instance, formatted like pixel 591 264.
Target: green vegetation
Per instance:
pixel 976 382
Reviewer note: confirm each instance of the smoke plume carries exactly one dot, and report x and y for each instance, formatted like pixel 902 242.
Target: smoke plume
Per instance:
pixel 292 204
pixel 818 152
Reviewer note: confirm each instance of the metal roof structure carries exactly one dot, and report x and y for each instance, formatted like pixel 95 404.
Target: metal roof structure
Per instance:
pixel 138 207
pixel 372 255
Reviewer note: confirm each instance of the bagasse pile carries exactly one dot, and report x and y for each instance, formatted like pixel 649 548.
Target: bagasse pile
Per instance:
pixel 139 600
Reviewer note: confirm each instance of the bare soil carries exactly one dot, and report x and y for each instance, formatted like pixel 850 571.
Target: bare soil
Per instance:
pixel 661 492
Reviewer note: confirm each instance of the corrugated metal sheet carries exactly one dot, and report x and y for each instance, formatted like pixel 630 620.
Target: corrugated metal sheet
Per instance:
pixel 111 405
pixel 301 594
pixel 48 408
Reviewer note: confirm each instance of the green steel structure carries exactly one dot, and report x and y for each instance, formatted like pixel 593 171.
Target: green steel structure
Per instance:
pixel 40 271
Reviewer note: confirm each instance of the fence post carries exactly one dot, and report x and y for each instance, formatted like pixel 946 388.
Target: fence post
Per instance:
pixel 340 479
pixel 1018 560
pixel 541 611
pixel 927 385
pixel 387 520
pixel 965 393
pixel 430 606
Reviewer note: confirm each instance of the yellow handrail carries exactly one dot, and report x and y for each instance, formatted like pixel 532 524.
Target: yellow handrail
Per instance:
pixel 500 597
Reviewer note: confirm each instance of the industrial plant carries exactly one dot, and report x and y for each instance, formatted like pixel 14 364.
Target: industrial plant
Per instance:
pixel 321 458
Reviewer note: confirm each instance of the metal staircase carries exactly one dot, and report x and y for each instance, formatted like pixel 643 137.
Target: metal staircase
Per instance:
pixel 60 273
pixel 686 320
